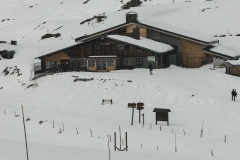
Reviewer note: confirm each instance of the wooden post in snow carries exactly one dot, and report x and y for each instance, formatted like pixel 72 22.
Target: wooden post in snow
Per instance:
pixel 25 133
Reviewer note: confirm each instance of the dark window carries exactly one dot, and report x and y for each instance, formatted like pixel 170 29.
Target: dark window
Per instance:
pixel 114 47
pixel 54 64
pixel 91 63
pixel 97 47
pixel 139 62
pixel 164 59
pixel 48 65
pixel 110 62
pixel 127 62
pixel 37 66
pixel 83 62
pixel 127 47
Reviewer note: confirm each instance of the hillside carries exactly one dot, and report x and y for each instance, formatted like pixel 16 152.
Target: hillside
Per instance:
pixel 193 95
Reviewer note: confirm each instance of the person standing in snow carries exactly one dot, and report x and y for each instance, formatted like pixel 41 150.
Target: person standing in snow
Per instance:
pixel 150 68
pixel 234 94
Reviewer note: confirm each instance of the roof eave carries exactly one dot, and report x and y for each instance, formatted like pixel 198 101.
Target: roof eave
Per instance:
pixel 82 39
pixel 217 54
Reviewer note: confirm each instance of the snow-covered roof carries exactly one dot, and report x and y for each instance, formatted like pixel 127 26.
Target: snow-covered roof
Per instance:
pixel 144 43
pixel 224 50
pixel 234 62
pixel 179 31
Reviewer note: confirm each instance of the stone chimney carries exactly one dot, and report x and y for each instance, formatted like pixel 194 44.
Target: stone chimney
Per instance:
pixel 131 17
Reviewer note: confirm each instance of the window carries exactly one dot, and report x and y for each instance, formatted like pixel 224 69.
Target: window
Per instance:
pixel 48 65
pixel 91 63
pixel 54 64
pixel 127 62
pixel 83 62
pixel 114 47
pixel 97 47
pixel 139 62
pixel 37 66
pixel 110 62
pixel 127 47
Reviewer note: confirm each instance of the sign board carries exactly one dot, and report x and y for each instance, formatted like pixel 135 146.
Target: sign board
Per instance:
pixel 131 105
pixel 151 59
pixel 140 108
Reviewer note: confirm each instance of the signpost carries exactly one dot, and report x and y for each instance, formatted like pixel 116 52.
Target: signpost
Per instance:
pixel 140 107
pixel 132 105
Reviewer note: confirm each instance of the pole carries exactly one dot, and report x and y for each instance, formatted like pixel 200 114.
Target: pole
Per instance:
pixel 114 141
pixel 120 137
pixel 108 148
pixel 126 141
pixel 139 116
pixel 132 115
pixel 25 133
pixel 143 118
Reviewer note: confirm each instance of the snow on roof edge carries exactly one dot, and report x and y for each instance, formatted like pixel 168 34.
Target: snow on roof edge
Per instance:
pixel 145 43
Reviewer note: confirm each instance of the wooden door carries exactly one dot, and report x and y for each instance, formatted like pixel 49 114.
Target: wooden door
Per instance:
pixel 104 65
pixel 65 64
pixel 193 62
pixel 99 65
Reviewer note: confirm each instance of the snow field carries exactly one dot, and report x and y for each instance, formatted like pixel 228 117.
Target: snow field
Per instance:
pixel 78 104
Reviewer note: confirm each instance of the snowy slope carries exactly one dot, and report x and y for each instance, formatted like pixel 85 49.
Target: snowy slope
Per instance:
pixel 78 104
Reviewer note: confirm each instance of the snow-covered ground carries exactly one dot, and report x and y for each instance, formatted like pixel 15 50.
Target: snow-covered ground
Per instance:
pixel 78 104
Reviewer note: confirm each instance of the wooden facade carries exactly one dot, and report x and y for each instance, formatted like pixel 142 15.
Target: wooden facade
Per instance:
pixel 188 52
pixel 82 54
pixel 232 69
pixel 192 54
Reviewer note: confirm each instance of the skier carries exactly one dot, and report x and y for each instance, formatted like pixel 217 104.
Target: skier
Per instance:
pixel 234 94
pixel 150 68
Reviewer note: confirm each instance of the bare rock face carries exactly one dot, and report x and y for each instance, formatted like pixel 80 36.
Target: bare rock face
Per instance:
pixel 51 35
pixel 132 3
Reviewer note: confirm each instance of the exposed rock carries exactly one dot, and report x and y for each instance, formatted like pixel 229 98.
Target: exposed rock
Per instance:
pixel 48 35
pixel 132 3
pixel 99 18
pixel 83 79
pixel 86 1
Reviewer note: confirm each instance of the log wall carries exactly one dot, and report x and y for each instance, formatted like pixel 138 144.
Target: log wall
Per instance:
pixel 235 70
pixel 56 57
pixel 143 30
pixel 192 54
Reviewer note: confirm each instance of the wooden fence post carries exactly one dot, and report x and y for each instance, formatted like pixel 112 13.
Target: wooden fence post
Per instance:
pixel 126 141
pixel 120 137
pixel 25 132
pixel 139 116
pixel 132 115
pixel 114 141
pixel 143 118
pixel 91 133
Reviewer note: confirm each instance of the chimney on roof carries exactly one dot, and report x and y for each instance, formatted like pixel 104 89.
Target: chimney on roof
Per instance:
pixel 131 17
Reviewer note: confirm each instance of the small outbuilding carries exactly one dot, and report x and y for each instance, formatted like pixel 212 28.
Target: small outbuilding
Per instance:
pixel 162 114
pixel 233 67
